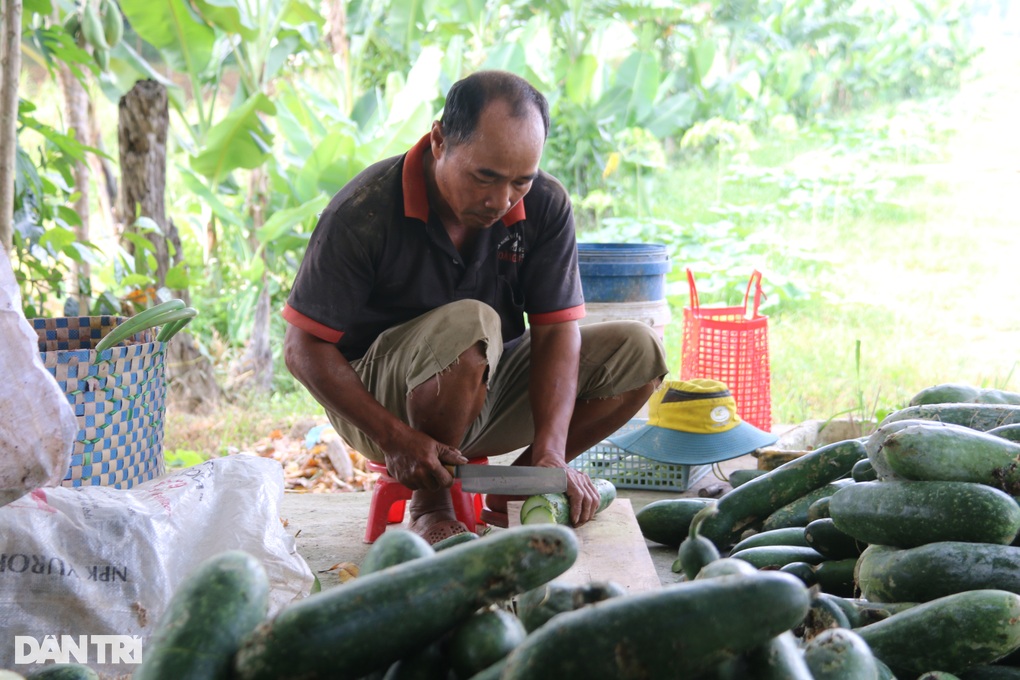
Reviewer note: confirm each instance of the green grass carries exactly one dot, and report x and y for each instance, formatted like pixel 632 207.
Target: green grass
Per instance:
pixel 235 425
pixel 924 279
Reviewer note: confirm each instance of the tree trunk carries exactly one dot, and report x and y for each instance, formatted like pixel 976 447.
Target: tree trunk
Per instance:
pixel 336 15
pixel 76 112
pixel 142 132
pixel 340 45
pixel 104 173
pixel 254 371
pixel 190 376
pixel 10 71
pixel 144 120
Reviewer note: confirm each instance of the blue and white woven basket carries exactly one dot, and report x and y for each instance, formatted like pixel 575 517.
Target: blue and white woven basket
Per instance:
pixel 118 395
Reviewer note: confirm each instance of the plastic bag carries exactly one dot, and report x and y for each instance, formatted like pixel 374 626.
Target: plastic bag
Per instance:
pixel 90 562
pixel 37 424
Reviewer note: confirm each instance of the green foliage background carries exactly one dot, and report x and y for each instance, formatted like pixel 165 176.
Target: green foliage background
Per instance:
pixel 668 118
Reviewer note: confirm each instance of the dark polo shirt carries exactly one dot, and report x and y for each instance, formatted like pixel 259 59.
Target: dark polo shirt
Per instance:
pixel 379 256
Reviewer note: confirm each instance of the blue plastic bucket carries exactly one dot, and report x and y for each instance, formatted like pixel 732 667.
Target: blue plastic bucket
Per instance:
pixel 623 272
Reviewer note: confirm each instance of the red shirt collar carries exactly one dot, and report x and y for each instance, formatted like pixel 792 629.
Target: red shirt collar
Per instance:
pixel 416 198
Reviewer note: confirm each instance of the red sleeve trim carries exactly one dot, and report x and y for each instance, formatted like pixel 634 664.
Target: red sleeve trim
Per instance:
pixel 559 316
pixel 296 318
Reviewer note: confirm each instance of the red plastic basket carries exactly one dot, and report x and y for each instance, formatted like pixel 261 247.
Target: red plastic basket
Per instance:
pixel 731 345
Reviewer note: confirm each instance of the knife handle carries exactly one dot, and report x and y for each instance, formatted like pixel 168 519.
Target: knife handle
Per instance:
pixel 452 469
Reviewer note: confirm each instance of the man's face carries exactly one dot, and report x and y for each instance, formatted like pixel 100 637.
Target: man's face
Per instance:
pixel 481 179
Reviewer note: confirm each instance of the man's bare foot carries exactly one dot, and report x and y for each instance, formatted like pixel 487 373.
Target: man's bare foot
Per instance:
pixel 498 503
pixel 494 512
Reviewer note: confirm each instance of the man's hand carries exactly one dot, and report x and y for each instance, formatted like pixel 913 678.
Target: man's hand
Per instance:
pixel 416 460
pixel 581 492
pixel 583 496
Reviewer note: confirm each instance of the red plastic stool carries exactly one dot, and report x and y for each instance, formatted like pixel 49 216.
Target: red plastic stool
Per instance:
pixel 389 498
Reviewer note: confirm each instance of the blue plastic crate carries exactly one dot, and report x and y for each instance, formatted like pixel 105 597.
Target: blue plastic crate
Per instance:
pixel 632 471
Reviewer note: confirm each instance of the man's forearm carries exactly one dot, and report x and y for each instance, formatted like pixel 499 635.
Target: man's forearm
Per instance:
pixel 555 351
pixel 329 377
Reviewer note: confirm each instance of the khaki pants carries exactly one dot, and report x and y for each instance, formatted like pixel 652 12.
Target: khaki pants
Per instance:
pixel 616 357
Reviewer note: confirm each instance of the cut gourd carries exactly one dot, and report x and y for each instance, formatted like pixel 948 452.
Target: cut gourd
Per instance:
pixel 554 508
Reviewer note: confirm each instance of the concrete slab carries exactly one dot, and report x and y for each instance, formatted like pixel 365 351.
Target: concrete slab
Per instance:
pixel 330 528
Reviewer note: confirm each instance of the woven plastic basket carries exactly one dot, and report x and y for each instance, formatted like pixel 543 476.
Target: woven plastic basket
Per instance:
pixel 731 345
pixel 632 471
pixel 118 396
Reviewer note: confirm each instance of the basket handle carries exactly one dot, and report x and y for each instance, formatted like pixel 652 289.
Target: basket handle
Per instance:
pixel 695 304
pixel 758 295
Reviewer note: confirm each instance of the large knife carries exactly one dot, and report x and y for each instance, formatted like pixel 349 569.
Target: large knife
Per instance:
pixel 510 480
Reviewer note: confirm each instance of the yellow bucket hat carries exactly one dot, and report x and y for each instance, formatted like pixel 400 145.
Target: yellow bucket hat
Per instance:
pixel 693 422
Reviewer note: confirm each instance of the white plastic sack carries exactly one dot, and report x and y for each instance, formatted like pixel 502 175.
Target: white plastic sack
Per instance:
pixel 95 561
pixel 37 424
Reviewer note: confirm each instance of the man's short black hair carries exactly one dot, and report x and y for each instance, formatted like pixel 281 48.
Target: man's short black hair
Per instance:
pixel 468 96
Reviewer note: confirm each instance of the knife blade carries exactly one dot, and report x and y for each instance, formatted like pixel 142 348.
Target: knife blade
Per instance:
pixel 506 479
